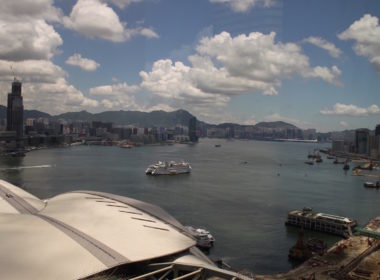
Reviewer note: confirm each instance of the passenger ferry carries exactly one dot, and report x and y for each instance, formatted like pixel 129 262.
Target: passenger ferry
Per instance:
pixel 168 168
pixel 321 222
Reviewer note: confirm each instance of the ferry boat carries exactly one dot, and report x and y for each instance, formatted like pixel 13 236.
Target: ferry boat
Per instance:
pixel 204 238
pixel 168 168
pixel 321 222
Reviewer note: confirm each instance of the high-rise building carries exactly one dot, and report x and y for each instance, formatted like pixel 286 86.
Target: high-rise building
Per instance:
pixel 193 137
pixel 362 141
pixel 377 130
pixel 15 110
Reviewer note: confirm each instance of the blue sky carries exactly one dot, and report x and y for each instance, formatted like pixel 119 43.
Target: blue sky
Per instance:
pixel 315 64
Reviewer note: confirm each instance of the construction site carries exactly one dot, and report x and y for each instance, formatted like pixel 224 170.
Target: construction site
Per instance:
pixel 354 258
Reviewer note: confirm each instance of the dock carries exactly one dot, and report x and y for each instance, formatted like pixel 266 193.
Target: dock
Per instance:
pixel 354 258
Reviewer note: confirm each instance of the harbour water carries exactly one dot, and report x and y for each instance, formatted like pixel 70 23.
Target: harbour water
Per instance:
pixel 241 191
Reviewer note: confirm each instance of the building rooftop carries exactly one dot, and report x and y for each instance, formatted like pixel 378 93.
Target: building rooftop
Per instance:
pixel 77 234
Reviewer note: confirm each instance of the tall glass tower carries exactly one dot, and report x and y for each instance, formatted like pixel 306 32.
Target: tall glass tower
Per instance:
pixel 15 110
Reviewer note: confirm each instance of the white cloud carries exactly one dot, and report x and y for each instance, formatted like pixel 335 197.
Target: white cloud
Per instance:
pixel 244 5
pixel 24 31
pixel 95 19
pixel 28 41
pixel 323 44
pixel 351 110
pixel 224 66
pixel 30 9
pixel 366 34
pixel 113 90
pixel 84 63
pixel 120 96
pixel 44 87
pixel 123 3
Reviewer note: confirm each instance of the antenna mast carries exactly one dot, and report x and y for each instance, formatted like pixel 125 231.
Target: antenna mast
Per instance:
pixel 13 73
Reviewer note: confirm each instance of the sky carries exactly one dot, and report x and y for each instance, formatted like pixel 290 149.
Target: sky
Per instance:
pixel 315 64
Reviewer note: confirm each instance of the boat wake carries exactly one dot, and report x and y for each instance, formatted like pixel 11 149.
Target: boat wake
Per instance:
pixel 27 167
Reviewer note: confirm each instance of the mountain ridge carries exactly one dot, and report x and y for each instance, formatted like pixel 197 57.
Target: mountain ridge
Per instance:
pixel 139 118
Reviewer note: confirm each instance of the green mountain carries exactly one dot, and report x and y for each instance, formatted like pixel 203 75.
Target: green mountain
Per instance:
pixel 27 113
pixel 277 124
pixel 142 119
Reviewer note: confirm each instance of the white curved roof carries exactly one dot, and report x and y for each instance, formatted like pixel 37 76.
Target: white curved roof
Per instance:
pixel 77 234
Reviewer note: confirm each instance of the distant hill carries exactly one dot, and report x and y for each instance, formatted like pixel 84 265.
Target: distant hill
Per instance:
pixel 277 124
pixel 143 119
pixel 27 113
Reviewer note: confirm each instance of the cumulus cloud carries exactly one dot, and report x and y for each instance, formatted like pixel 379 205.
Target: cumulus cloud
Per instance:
pixel 95 19
pixel 30 9
pixel 243 5
pixel 25 32
pixel 84 63
pixel 28 41
pixel 114 89
pixel 366 34
pixel 323 44
pixel 224 66
pixel 351 110
pixel 123 3
pixel 44 87
pixel 117 96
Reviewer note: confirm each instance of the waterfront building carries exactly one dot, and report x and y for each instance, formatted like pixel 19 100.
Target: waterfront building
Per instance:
pixel 56 238
pixel 193 129
pixel 337 146
pixel 362 141
pixel 15 110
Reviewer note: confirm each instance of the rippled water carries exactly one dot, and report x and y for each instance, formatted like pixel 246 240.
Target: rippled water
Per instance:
pixel 243 204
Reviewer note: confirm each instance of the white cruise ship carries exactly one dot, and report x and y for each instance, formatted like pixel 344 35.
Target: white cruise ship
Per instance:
pixel 168 168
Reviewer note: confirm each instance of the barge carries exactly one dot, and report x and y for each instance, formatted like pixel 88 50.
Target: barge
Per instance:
pixel 327 223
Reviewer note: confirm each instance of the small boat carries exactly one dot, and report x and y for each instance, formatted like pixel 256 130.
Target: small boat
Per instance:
pixel 346 166
pixel 217 145
pixel 372 185
pixel 336 161
pixel 319 158
pixel 330 157
pixel 309 162
pixel 204 238
pixel 126 146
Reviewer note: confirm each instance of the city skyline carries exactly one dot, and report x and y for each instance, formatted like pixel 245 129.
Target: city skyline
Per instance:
pixel 314 64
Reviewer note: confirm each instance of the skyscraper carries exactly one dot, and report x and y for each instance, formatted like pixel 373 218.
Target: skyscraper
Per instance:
pixel 193 137
pixel 377 130
pixel 15 110
pixel 362 141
